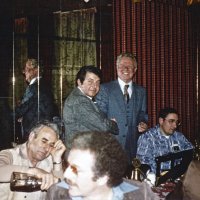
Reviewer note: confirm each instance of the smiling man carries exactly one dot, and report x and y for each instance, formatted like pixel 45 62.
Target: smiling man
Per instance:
pixel 41 156
pixel 161 140
pixel 125 101
pixel 80 111
pixel 96 165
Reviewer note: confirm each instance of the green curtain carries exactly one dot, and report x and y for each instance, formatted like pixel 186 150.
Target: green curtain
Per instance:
pixel 75 46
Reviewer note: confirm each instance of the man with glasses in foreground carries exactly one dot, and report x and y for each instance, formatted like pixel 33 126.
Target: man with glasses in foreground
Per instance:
pixel 162 140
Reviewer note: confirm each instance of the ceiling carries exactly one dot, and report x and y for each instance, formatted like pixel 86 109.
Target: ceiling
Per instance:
pixel 32 7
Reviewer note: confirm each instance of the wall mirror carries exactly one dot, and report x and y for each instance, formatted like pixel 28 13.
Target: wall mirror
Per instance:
pixel 64 35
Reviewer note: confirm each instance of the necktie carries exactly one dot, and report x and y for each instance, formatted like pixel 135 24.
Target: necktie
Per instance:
pixel 126 94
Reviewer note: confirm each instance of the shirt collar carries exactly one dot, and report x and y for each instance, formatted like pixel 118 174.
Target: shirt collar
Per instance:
pixel 84 93
pixel 163 134
pixel 23 152
pixel 33 80
pixel 122 84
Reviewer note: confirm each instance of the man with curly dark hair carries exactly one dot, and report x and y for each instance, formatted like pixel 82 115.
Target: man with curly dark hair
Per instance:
pixel 96 166
pixel 80 112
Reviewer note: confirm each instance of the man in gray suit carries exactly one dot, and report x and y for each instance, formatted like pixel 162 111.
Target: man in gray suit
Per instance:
pixel 80 110
pixel 125 101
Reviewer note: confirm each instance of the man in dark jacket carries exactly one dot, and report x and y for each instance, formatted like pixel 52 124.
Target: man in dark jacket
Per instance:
pixel 37 103
pixel 96 165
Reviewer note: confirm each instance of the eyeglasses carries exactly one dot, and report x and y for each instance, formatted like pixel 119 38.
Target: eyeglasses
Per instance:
pixel 171 121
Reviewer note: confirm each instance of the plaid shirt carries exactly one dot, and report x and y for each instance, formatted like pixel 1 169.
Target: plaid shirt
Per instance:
pixel 153 143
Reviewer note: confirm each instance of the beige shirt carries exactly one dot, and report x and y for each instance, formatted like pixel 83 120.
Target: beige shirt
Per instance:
pixel 16 160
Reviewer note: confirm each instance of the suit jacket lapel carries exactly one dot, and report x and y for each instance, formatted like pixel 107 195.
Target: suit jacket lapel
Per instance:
pixel 118 94
pixel 135 96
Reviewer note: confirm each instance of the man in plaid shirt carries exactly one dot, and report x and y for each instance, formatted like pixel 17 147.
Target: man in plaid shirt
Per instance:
pixel 161 140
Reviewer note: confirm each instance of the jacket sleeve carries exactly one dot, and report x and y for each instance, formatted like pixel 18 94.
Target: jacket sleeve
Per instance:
pixel 89 114
pixel 102 100
pixel 25 105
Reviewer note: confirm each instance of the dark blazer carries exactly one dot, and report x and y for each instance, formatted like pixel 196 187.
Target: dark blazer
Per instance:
pixel 35 100
pixel 110 100
pixel 81 114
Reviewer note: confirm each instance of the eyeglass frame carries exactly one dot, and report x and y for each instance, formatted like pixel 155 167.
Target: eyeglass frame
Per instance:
pixel 171 121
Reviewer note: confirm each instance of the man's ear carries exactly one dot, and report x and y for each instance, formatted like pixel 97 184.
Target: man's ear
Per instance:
pixel 79 82
pixel 102 180
pixel 160 120
pixel 31 135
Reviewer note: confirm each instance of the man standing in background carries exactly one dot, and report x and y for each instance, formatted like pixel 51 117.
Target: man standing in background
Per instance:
pixel 126 102
pixel 37 103
pixel 80 110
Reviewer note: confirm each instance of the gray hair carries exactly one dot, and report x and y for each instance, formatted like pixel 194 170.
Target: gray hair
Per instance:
pixel 54 126
pixel 127 55
pixel 35 64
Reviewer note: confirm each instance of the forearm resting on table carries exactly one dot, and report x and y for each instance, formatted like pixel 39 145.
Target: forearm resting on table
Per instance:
pixel 6 171
pixel 56 175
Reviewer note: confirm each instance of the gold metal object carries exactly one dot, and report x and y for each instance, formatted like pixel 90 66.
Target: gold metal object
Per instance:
pixel 136 172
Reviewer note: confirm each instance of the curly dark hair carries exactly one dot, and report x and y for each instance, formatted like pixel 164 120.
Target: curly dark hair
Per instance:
pixel 89 68
pixel 110 158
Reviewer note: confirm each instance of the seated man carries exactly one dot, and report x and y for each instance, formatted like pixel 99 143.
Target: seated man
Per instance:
pixel 96 165
pixel 41 156
pixel 164 139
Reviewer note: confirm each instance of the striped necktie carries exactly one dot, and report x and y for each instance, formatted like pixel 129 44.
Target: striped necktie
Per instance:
pixel 126 94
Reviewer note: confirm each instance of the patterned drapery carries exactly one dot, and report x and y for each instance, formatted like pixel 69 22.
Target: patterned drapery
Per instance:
pixel 75 46
pixel 159 33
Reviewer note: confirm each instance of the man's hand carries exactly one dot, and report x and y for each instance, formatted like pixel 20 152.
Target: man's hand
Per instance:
pixel 20 119
pixel 47 178
pixel 57 151
pixel 142 127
